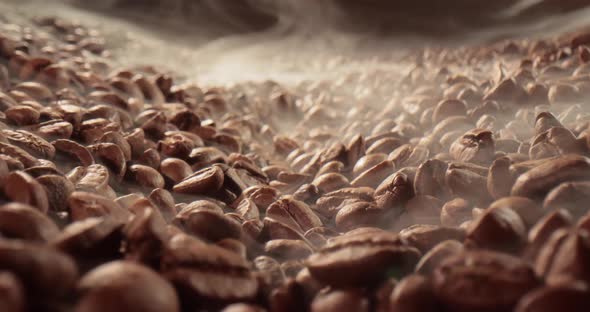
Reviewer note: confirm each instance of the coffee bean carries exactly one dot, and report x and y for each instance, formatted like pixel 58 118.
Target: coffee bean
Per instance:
pixel 117 286
pixel 366 258
pixel 294 213
pixel 82 205
pixel 570 297
pixel 430 179
pixel 373 176
pixel 200 270
pixel 482 281
pixel 201 182
pixel 475 146
pixel 21 187
pixel 13 296
pixel 455 212
pixel 414 293
pixel 424 237
pixel 25 222
pixel 207 224
pixel 341 300
pixel 499 229
pixel 542 178
pixel 568 195
pixel 437 255
pixel 527 209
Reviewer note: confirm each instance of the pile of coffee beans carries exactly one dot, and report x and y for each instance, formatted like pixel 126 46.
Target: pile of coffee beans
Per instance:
pixel 460 185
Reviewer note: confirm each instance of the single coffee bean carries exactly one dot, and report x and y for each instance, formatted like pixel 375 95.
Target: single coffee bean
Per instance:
pixel 455 212
pixel 205 181
pixel 541 179
pixel 499 229
pixel 568 297
pixel 414 293
pixel 366 257
pixel 21 187
pixel 475 146
pixel 207 224
pixel 12 296
pixel 287 249
pixel 430 179
pixel 201 270
pixel 424 236
pixel 528 210
pixel 568 196
pixel 433 258
pixel 294 213
pixel 25 222
pixel 482 281
pixel 125 286
pixel 341 300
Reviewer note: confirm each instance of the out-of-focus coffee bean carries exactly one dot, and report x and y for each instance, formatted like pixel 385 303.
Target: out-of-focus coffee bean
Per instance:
pixel 358 213
pixel 243 307
pixel 424 209
pixel 482 281
pixel 44 272
pixel 568 196
pixel 569 297
pixel 330 182
pixel 542 231
pixel 433 258
pixel 570 258
pixel 205 181
pixel 424 236
pixel 82 205
pixel 25 222
pixel 58 189
pixel 528 210
pixel 289 297
pixel 414 293
pixel 117 286
pixel 448 108
pixel 455 212
pixel 341 300
pixel 546 121
pixel 12 296
pixel 367 257
pixel 373 176
pixel 430 179
pixel 22 115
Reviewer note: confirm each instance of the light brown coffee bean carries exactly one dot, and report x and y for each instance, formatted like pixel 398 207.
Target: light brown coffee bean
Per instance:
pixel 498 229
pixel 475 146
pixel 205 181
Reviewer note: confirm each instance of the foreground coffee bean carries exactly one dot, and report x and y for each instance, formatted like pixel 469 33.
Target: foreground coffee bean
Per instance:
pixel 12 296
pixel 538 181
pixel 340 300
pixel 482 281
pixel 367 257
pixel 205 274
pixel 568 296
pixel 414 293
pixel 125 286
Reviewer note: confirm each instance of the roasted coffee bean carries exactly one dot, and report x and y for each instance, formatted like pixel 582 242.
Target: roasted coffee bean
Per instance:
pixel 414 293
pixel 145 176
pixel 528 210
pixel 455 212
pixel 482 281
pixel 423 209
pixel 125 286
pixel 461 183
pixel 21 187
pixel 293 213
pixel 430 179
pixel 499 229
pixel 433 258
pixel 568 196
pixel 145 238
pixel 289 297
pixel 394 192
pixel 542 178
pixel 341 300
pixel 31 143
pixel 358 213
pixel 424 237
pixel 242 307
pixel 287 249
pixel 58 189
pixel 366 257
pixel 82 205
pixel 44 272
pixel 475 146
pixel 25 222
pixel 207 224
pixel 12 296
pixel 204 181
pixel 570 258
pixel 200 270
pixel 569 297
pixel 373 176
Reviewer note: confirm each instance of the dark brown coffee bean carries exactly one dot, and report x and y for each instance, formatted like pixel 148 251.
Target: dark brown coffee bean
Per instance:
pixel 294 213
pixel 394 192
pixel 430 179
pixel 84 205
pixel 358 213
pixel 373 176
pixel 81 153
pixel 22 115
pixel 205 181
pixel 200 270
pixel 475 146
pixel 25 222
pixel 243 307
pixel 262 196
pixel 52 130
pixel 341 300
pixel 366 258
pixel 462 182
pixel 424 237
pixel 568 297
pixel 528 210
pixel 111 156
pixel 287 249
pixel 570 259
pixel 125 286
pixel 31 143
pixel 145 238
pixel 500 178
pixel 289 297
pixel 548 252
pixel 423 209
pixel 19 154
pixel 414 293
pixel 455 212
pixel 21 187
pixel 542 178
pixel 482 281
pixel 43 271
pixel 499 229
pixel 118 139
pixel 433 258
pixel 12 296
pixel 568 196
pixel 208 224
pixel 58 189
pixel 175 169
